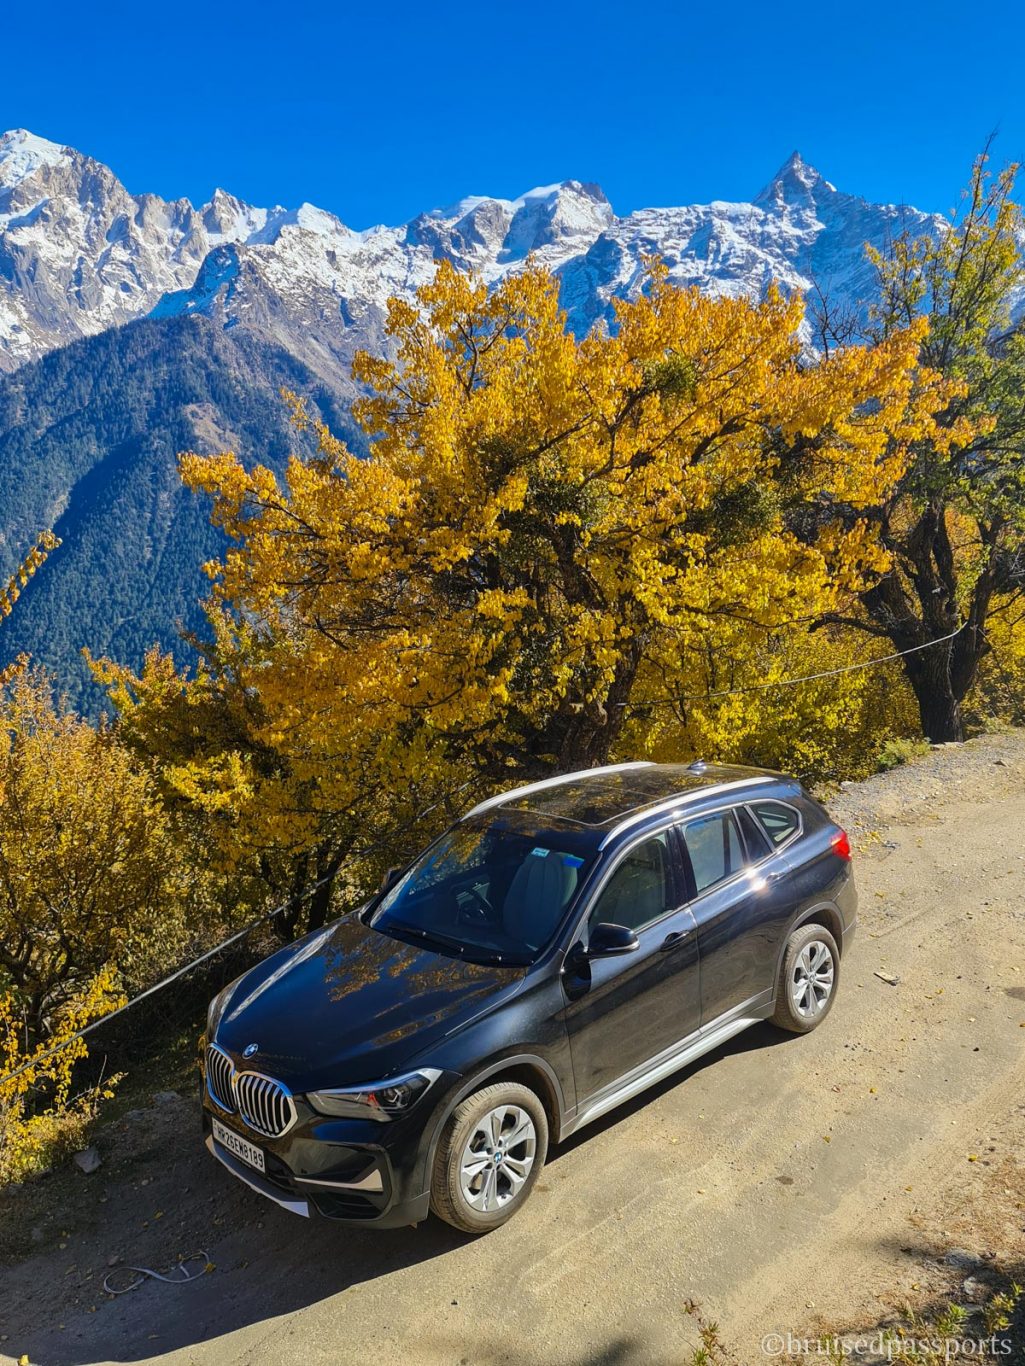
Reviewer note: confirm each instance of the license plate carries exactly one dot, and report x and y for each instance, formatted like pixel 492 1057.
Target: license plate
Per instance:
pixel 248 1152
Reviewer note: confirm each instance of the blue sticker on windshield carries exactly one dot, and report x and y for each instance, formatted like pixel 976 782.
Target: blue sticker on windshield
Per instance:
pixel 540 853
pixel 572 861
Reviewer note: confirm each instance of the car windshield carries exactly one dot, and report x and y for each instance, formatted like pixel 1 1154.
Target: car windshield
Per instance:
pixel 492 889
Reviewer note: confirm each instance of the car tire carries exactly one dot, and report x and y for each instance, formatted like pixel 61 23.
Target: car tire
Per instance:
pixel 808 978
pixel 492 1148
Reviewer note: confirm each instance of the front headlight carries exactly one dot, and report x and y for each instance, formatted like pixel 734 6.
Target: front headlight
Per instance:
pixel 380 1100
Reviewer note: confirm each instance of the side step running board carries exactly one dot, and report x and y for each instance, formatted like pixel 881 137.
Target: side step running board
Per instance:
pixel 680 1056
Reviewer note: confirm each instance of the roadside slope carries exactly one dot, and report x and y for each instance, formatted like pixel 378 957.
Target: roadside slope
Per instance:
pixel 788 1184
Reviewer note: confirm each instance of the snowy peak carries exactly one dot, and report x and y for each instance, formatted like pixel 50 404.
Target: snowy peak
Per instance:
pixel 556 213
pixel 482 233
pixel 227 219
pixel 22 154
pixel 307 218
pixel 796 185
pixel 79 254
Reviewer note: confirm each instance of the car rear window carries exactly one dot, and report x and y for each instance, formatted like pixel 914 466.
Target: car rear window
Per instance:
pixel 779 822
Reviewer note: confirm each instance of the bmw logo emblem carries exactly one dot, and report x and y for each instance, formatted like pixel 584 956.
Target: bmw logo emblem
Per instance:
pixel 250 1049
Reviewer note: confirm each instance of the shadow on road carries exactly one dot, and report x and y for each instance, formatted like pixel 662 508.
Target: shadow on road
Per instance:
pixel 270 1267
pixel 269 1264
pixel 759 1036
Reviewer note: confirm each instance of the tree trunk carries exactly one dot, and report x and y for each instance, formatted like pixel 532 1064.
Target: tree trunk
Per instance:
pixel 939 706
pixel 320 901
pixel 586 736
pixel 920 607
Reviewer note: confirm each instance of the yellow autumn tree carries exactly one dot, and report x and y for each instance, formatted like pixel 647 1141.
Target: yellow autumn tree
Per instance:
pixel 48 993
pixel 10 592
pixel 544 538
pixel 92 875
pixel 40 1118
pixel 818 703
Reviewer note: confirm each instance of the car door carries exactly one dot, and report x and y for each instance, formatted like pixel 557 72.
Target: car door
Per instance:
pixel 742 896
pixel 624 1009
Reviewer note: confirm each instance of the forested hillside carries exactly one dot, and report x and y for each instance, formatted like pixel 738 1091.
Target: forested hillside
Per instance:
pixel 189 318
pixel 89 438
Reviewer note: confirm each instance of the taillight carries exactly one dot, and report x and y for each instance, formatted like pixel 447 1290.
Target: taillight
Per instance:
pixel 841 845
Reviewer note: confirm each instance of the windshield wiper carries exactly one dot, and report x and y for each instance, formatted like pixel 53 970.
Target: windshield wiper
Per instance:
pixel 428 936
pixel 474 953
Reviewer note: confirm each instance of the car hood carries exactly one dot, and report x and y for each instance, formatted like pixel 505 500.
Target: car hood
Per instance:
pixel 347 1005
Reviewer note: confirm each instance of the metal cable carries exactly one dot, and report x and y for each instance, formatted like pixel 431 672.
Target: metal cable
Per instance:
pixel 792 682
pixel 224 944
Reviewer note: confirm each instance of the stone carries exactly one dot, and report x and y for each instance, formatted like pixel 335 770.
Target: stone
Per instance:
pixel 975 1290
pixel 88 1160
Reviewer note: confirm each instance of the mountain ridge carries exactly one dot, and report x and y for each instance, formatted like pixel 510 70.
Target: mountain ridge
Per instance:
pixel 133 327
pixel 79 253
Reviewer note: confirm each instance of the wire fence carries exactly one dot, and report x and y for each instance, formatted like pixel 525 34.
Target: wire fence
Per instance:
pixel 290 904
pixel 792 682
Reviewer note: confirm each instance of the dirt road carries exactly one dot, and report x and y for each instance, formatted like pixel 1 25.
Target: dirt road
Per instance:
pixel 785 1183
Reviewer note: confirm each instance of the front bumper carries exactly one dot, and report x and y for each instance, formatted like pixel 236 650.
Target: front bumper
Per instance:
pixel 303 1201
pixel 354 1171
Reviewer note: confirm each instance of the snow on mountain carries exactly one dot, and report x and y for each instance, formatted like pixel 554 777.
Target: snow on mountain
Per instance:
pixel 78 253
pixel 321 290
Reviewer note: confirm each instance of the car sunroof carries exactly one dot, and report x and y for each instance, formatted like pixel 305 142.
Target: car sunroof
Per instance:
pixel 599 799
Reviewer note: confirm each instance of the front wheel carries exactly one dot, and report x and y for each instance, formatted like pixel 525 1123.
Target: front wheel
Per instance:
pixel 807 980
pixel 489 1156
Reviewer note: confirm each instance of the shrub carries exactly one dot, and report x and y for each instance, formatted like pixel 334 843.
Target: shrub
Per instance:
pixel 40 1119
pixel 899 751
pixel 91 870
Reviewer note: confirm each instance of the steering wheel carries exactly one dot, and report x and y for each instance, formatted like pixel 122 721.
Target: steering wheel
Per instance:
pixel 482 913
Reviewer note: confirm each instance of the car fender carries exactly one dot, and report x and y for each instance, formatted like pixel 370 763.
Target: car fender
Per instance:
pixel 806 913
pixel 474 1082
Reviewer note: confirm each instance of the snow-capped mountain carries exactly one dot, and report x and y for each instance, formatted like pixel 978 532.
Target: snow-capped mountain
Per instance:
pixel 232 302
pixel 79 253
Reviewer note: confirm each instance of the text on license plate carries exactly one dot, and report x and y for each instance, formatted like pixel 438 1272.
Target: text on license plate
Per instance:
pixel 250 1154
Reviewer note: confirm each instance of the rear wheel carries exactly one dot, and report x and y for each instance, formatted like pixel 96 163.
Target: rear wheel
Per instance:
pixel 489 1156
pixel 808 979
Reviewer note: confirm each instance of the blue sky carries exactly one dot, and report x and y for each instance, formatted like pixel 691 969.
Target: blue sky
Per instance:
pixel 376 111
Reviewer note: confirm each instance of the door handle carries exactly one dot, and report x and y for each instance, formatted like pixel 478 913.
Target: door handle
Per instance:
pixel 759 880
pixel 674 940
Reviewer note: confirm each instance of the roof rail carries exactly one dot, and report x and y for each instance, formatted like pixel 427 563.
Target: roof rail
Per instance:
pixel 678 804
pixel 503 797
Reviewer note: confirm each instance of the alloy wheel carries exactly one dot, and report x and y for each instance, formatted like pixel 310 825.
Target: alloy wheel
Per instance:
pixel 811 983
pixel 497 1158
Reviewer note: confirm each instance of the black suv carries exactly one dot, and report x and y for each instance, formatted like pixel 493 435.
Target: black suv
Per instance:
pixel 557 950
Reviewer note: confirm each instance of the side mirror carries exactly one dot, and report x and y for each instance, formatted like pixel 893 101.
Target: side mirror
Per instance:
pixel 390 878
pixel 607 940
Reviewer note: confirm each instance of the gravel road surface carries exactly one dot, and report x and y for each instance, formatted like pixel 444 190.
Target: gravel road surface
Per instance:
pixel 787 1184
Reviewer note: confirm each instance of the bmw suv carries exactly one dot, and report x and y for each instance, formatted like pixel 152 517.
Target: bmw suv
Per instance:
pixel 560 948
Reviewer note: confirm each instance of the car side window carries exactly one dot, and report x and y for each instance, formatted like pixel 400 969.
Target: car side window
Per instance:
pixel 715 848
pixel 757 841
pixel 639 891
pixel 778 821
